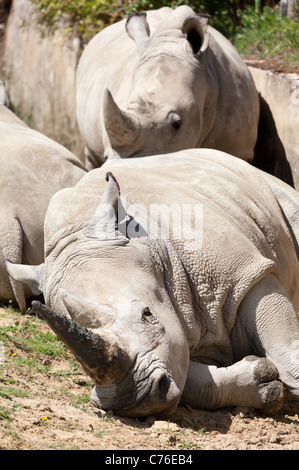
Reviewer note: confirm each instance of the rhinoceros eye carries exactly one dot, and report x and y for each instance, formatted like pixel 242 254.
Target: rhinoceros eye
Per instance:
pixel 175 121
pixel 148 316
pixel 177 124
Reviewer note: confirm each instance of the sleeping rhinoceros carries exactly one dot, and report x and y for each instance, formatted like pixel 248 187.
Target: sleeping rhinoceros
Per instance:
pixel 32 168
pixel 183 289
pixel 182 85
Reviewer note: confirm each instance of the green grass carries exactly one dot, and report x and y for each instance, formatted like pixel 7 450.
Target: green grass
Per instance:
pixel 267 34
pixel 30 349
pixel 29 337
pixel 5 415
pixel 8 392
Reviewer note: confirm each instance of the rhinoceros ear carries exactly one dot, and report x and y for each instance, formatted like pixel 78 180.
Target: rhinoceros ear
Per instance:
pixel 195 28
pixel 30 275
pixel 138 29
pixel 105 222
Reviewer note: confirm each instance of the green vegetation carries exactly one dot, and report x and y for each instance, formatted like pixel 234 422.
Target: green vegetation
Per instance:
pixel 88 17
pixel 30 349
pixel 85 18
pixel 5 415
pixel 254 30
pixel 29 337
pixel 267 34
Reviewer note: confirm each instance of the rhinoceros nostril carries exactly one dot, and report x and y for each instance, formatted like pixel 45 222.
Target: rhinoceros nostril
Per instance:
pixel 164 387
pixel 168 391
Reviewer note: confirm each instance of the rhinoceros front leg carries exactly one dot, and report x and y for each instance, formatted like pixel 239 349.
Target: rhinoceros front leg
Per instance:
pixel 250 382
pixel 11 246
pixel 269 324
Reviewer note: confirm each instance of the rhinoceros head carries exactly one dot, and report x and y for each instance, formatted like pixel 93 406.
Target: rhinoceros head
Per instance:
pixel 106 300
pixel 165 108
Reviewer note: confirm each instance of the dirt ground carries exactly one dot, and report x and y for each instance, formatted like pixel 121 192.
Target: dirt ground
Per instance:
pixel 44 411
pixel 275 64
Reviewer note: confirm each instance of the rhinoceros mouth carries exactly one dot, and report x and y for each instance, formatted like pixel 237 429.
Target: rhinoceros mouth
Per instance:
pixel 155 394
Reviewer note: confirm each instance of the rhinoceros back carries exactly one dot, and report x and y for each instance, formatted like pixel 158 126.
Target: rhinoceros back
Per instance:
pixel 248 226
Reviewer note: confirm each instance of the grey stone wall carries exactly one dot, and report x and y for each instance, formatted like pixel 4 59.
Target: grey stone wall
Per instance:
pixel 281 93
pixel 39 73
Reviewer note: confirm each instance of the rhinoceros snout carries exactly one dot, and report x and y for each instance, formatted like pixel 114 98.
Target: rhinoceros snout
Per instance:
pixel 161 398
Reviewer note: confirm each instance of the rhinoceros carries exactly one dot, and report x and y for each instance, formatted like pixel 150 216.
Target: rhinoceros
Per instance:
pixel 182 85
pixel 33 168
pixel 175 287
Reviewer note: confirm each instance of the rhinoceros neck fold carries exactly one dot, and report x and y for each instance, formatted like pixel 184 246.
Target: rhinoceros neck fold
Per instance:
pixel 62 238
pixel 181 296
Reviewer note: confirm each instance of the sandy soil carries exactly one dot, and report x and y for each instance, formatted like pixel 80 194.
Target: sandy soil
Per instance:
pixel 46 411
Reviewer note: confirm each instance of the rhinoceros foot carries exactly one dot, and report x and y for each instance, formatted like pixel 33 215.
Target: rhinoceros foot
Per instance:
pixel 270 388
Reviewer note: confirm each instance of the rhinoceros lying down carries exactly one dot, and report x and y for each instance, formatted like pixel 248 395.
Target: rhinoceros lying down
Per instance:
pixel 185 288
pixel 182 85
pixel 33 168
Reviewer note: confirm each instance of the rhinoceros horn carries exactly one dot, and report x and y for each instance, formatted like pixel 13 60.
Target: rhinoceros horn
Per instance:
pixel 121 128
pixel 110 211
pixel 101 358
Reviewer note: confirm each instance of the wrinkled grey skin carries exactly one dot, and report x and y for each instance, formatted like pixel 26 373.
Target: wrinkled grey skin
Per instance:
pixel 206 318
pixel 162 82
pixel 33 168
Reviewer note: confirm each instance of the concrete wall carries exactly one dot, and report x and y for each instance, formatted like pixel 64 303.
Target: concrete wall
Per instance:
pixel 39 73
pixel 281 92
